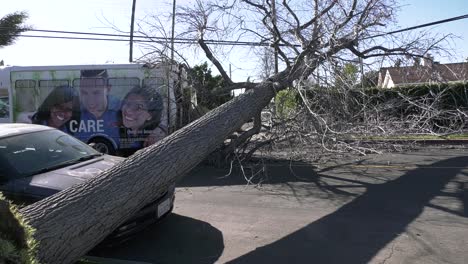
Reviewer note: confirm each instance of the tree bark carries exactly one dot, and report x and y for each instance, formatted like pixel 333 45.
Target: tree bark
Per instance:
pixel 73 221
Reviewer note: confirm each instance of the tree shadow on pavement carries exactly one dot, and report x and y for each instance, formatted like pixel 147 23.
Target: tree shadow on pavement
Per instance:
pixel 276 171
pixel 463 194
pixel 282 173
pixel 177 239
pixel 357 231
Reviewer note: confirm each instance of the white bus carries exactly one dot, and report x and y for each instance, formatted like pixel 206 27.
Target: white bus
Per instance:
pixel 118 108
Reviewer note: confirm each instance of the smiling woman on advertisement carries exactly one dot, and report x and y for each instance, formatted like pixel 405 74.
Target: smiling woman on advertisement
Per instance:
pixel 141 115
pixel 58 109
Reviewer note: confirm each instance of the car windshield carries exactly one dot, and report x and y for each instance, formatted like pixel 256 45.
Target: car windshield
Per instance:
pixel 28 154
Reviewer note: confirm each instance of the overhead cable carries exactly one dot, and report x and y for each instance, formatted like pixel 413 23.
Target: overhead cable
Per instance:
pixel 150 39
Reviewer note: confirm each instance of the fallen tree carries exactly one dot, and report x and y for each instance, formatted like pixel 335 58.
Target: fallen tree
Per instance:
pixel 73 221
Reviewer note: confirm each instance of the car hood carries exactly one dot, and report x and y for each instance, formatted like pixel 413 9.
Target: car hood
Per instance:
pixel 63 178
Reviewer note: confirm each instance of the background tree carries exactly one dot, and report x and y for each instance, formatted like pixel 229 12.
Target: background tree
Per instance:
pixel 210 90
pixel 370 79
pixel 11 26
pixel 346 76
pixel 306 35
pixel 267 64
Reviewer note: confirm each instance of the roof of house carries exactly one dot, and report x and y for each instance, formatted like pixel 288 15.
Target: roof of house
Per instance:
pixel 423 74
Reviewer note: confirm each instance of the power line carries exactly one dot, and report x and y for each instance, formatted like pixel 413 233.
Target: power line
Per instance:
pixel 151 39
pixel 96 34
pixel 419 26
pixel 156 40
pixel 105 39
pixel 162 40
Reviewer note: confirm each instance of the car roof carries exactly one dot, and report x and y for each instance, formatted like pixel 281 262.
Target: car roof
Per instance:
pixel 7 130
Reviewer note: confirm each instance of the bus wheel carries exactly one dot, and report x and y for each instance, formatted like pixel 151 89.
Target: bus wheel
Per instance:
pixel 102 145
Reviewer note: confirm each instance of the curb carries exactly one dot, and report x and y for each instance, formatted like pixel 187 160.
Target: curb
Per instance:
pixel 417 141
pixel 99 260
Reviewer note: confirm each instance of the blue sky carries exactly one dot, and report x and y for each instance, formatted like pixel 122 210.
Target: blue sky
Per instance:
pixel 416 12
pixel 90 16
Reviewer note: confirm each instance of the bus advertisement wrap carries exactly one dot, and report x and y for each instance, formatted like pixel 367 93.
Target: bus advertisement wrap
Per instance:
pixel 117 115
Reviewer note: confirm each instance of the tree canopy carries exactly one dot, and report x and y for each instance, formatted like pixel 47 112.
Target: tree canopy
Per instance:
pixel 11 26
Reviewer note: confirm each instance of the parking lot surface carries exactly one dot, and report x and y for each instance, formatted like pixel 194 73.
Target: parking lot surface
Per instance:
pixel 407 207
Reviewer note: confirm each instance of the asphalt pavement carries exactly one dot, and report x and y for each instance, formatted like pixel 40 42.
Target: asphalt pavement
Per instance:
pixel 407 207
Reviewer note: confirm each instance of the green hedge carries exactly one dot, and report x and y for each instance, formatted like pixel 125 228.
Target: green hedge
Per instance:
pixel 449 95
pixel 452 95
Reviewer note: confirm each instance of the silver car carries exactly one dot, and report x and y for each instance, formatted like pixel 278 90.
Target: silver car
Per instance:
pixel 38 161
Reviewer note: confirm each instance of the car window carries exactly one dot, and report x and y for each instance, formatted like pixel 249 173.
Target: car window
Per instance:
pixel 27 154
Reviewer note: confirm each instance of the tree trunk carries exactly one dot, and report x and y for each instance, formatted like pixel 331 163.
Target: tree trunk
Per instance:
pixel 73 221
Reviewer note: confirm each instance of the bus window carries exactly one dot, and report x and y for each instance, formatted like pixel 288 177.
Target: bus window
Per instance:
pixel 94 82
pixel 121 86
pixel 53 83
pixel 25 95
pixel 46 86
pixel 25 103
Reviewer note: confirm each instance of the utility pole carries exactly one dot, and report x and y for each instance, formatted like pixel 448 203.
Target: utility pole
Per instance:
pixel 173 28
pixel 275 38
pixel 361 62
pixel 132 22
pixel 169 74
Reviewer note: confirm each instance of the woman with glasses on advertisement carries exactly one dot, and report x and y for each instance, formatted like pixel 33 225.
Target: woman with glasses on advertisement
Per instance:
pixel 58 109
pixel 141 116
